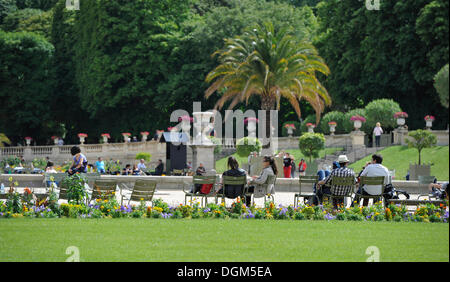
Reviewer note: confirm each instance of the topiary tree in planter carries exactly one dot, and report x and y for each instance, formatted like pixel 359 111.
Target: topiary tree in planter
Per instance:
pixel 421 139
pixel 310 144
pixel 246 145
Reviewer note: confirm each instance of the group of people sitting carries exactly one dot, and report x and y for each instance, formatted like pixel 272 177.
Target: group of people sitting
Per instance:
pixel 255 184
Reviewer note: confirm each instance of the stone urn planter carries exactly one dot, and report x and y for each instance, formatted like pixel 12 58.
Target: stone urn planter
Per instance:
pixel 290 127
pixel 251 126
pixel 310 127
pixel 28 140
pixel 203 125
pixel 401 118
pixel 105 137
pixel 332 125
pixel 144 135
pixel 429 121
pixel 126 136
pixel 82 137
pixel 357 122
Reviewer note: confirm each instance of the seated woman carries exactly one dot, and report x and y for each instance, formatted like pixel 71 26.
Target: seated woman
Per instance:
pixel 269 168
pixel 136 170
pixel 79 163
pixel 233 191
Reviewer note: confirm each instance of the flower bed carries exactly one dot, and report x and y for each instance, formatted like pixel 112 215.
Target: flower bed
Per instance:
pixel 108 207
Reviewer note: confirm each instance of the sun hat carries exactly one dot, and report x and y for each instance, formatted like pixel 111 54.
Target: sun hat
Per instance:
pixel 343 159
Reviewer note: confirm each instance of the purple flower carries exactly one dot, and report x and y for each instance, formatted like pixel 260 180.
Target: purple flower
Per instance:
pixel 206 210
pixel 1 214
pixel 329 216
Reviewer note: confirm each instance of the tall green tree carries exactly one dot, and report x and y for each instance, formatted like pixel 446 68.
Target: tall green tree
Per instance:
pixel 123 54
pixel 441 85
pixel 378 54
pixel 26 85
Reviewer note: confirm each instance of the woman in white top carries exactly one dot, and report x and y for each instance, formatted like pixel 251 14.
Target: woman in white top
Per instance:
pixel 377 131
pixel 269 168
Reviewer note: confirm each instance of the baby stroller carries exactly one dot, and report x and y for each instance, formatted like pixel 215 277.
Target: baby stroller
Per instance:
pixel 390 193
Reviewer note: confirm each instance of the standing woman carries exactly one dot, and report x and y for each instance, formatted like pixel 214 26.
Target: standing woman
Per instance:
pixel 79 163
pixel 377 131
pixel 287 165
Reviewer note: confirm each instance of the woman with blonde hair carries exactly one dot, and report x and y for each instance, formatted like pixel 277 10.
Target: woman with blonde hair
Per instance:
pixel 377 131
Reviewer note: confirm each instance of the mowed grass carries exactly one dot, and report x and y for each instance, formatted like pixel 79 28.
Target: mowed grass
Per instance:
pixel 220 240
pixel 221 165
pixel 399 158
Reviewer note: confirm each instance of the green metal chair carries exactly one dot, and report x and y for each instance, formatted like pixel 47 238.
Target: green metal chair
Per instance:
pixel 367 180
pixel 103 187
pixel 200 179
pixel 308 179
pixel 341 188
pixel 271 180
pixel 424 181
pixel 142 190
pixel 231 180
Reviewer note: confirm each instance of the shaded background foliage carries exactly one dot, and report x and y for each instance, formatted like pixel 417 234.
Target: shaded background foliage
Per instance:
pixel 119 65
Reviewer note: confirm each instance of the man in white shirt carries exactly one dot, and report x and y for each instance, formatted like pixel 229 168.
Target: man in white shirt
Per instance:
pixel 141 165
pixel 372 169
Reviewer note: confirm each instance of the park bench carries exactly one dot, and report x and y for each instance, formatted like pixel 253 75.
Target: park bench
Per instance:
pixel 368 180
pixel 336 192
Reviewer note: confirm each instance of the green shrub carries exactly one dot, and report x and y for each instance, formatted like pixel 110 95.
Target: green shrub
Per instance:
pixel 145 156
pixel 246 145
pixel 340 216
pixel 216 141
pixel 441 85
pixel 338 117
pixel 310 144
pixel 382 111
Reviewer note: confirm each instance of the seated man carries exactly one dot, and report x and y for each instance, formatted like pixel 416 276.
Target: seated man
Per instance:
pixel 440 191
pixel 372 169
pixel 159 168
pixel 324 186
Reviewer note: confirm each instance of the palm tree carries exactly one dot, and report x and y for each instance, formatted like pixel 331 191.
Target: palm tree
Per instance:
pixel 272 65
pixel 4 139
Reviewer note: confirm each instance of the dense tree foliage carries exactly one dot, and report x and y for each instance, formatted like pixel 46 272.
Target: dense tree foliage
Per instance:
pixel 379 54
pixel 120 65
pixel 25 62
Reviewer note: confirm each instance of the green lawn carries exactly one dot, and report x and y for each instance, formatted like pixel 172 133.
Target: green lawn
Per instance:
pixel 399 158
pixel 221 165
pixel 220 240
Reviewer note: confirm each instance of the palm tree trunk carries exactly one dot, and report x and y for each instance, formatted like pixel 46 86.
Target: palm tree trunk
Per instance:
pixel 267 104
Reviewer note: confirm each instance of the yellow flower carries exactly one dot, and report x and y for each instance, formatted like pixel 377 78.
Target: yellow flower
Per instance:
pixel 113 193
pixel 142 199
pixel 102 207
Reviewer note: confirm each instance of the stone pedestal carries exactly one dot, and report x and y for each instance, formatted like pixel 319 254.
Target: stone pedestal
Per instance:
pixel 203 154
pixel 358 139
pixel 400 135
